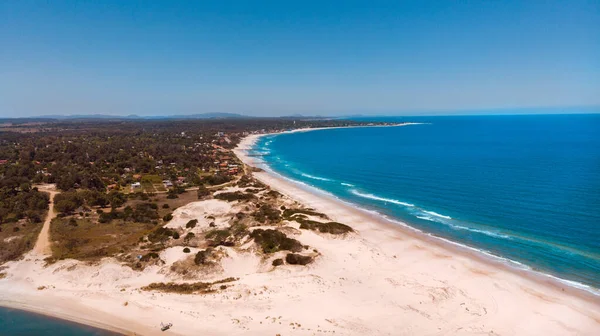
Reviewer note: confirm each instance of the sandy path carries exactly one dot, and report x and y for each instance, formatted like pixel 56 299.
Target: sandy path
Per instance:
pixel 42 245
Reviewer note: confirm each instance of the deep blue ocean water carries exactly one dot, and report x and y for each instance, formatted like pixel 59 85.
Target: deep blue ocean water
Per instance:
pixel 525 188
pixel 20 323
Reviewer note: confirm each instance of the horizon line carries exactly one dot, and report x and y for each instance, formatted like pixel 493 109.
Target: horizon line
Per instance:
pixel 587 109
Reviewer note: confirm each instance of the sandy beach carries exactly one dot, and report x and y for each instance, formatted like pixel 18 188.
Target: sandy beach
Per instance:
pixel 380 280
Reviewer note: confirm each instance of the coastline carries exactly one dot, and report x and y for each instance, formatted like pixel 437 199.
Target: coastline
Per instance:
pixel 574 288
pixel 382 280
pixel 553 287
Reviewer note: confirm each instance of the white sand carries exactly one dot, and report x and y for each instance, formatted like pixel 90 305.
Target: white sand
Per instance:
pixel 379 281
pixel 201 210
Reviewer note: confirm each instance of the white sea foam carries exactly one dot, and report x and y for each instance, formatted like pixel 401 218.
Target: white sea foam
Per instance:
pixel 485 232
pixel 347 184
pixel 506 261
pixel 315 177
pixel 442 220
pixel 436 214
pixel 381 199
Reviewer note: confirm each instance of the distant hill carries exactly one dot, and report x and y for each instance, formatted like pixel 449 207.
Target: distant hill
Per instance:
pixel 215 115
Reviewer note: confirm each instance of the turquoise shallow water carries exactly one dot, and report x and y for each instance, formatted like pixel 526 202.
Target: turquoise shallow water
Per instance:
pixel 21 323
pixel 523 188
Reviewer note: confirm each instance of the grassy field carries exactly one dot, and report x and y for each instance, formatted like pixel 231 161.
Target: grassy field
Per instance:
pixel 181 200
pixel 17 238
pixel 85 239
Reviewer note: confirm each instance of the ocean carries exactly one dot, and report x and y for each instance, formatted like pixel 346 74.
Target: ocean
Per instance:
pixel 522 189
pixel 20 323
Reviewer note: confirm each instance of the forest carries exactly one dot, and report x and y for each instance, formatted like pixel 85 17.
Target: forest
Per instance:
pixel 103 159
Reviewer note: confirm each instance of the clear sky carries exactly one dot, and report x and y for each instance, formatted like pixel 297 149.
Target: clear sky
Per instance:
pixel 285 57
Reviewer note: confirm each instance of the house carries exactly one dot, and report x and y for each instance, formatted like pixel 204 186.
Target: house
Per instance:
pixel 137 176
pixel 136 185
pixel 167 184
pixel 3 162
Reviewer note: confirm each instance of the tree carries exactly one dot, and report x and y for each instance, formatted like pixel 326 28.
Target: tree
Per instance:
pixel 65 206
pixel 203 192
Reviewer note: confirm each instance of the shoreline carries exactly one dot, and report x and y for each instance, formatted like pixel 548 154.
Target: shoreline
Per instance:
pixel 64 317
pixel 571 287
pixel 383 279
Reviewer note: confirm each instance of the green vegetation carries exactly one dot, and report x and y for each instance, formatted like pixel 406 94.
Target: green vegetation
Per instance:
pixel 266 213
pixel 162 234
pixel 289 213
pixel 217 179
pixel 88 240
pixel 271 241
pixel 273 194
pixel 219 237
pixel 277 262
pixel 202 256
pixel 142 213
pixel 235 196
pixel 18 204
pixel 297 259
pixel 17 238
pixel 329 227
pixel 149 256
pixel 95 164
pixel 187 288
pixel 191 224
pixel 202 192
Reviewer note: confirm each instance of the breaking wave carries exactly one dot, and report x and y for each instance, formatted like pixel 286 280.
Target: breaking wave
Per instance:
pixel 381 199
pixel 315 177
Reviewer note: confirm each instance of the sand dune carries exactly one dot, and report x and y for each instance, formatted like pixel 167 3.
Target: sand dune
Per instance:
pixel 380 280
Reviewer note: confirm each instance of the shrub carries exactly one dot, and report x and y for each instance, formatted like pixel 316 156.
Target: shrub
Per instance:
pixel 288 213
pixel 272 241
pixel 202 256
pixel 203 192
pixel 219 237
pixel 297 259
pixel 330 227
pixel 186 250
pixel 105 217
pixel 267 212
pixel 161 234
pixel 187 288
pixel 175 235
pixel 149 256
pixel 277 262
pixel 274 194
pixel 217 179
pixel 165 206
pixel 189 236
pixel 167 217
pixel 191 224
pixel 235 196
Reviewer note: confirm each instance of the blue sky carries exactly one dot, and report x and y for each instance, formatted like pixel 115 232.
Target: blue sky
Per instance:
pixel 285 57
